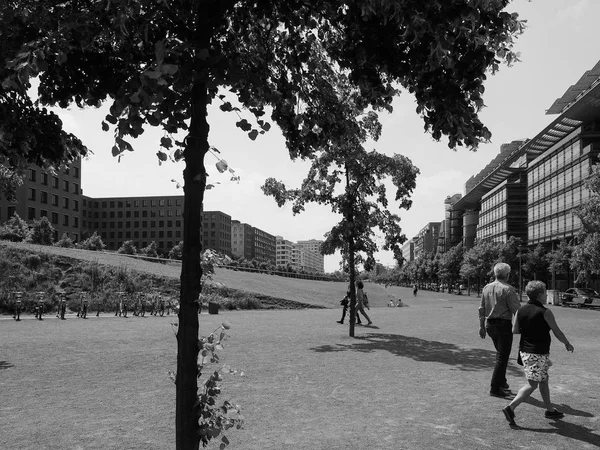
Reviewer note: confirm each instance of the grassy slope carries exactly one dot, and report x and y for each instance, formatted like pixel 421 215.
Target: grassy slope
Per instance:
pixel 317 293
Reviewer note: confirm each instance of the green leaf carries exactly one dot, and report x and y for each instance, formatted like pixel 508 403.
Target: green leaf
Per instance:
pixel 104 126
pixel 244 125
pixel 169 69
pixel 159 52
pixel 166 142
pixel 162 156
pixel 253 134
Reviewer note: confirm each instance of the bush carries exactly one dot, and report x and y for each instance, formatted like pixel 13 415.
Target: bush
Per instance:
pixel 15 229
pixel 128 248
pixel 65 241
pixel 94 242
pixel 177 251
pixel 42 232
pixel 150 250
pixel 33 262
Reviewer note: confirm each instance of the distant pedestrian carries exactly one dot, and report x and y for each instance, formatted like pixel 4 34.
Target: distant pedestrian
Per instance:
pixel 399 304
pixel 534 322
pixel 391 303
pixel 415 290
pixel 344 302
pixel 499 302
pixel 362 302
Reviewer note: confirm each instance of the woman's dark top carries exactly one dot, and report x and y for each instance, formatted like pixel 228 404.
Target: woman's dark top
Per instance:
pixel 535 331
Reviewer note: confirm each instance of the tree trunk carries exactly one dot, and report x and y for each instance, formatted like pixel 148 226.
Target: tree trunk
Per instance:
pixel 194 175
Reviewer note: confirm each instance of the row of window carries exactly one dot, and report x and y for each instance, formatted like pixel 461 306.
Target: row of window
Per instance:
pixel 558 160
pixel 54 199
pixel 144 203
pixel 55 181
pixel 553 228
pixel 134 224
pixel 565 179
pixel 564 201
pixel 143 234
pixel 129 214
pixel 53 217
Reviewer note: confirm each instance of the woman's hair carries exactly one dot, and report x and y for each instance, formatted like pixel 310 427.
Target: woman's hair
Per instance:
pixel 534 289
pixel 359 284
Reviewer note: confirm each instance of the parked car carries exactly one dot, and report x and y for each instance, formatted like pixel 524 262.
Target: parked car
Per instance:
pixel 581 297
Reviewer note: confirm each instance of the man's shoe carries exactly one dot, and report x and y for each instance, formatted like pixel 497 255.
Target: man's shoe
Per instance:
pixel 500 394
pixel 505 386
pixel 339 321
pixel 509 414
pixel 554 414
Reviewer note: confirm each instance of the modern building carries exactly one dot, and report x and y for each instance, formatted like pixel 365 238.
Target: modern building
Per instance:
pixel 408 250
pixel 314 246
pixel 265 245
pixel 286 253
pixel 426 240
pixel 52 193
pixel 242 240
pixel 216 231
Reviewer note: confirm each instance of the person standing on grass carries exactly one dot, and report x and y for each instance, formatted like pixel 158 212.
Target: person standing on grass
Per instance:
pixel 361 303
pixel 499 302
pixel 415 290
pixel 534 322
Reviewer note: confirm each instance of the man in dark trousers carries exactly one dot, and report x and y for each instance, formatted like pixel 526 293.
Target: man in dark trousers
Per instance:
pixel 499 303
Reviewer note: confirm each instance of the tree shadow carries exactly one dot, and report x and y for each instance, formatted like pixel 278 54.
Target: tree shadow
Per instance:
pixel 467 359
pixel 5 365
pixel 563 408
pixel 568 430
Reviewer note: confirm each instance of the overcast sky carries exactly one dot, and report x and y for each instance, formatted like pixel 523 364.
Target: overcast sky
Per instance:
pixel 559 45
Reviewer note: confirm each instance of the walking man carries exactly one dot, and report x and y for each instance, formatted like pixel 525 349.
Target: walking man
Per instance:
pixel 534 322
pixel 499 303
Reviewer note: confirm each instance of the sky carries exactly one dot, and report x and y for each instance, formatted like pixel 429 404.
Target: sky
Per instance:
pixel 556 49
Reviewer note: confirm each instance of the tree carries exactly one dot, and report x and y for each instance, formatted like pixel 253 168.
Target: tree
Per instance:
pixel 450 263
pixel 559 259
pixel 42 232
pixel 127 248
pixel 64 241
pixel 14 229
pixel 150 250
pixel 94 243
pixel 161 63
pixel 176 251
pixel 586 255
pixel 536 263
pixel 478 261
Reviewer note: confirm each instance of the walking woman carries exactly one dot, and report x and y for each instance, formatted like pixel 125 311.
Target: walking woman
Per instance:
pixel 361 302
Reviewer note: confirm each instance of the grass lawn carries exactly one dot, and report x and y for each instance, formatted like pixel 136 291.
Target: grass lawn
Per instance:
pixel 418 379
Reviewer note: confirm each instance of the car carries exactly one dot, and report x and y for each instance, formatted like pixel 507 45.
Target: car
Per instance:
pixel 581 297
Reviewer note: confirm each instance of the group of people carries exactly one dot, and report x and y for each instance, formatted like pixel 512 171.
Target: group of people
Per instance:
pixel 362 302
pixel 500 317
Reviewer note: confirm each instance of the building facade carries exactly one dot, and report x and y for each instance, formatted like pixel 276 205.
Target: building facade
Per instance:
pixel 216 232
pixel 242 240
pixel 52 193
pixel 265 245
pixel 313 246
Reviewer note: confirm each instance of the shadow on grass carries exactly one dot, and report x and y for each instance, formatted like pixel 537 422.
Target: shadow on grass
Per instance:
pixel 563 408
pixel 568 430
pixel 5 365
pixel 422 350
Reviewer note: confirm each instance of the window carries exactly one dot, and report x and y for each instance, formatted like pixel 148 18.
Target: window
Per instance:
pixel 144 203
pixel 11 211
pixel 65 186
pixel 178 223
pixel 144 235
pixel 54 200
pixel 112 214
pixel 55 218
pixel 67 171
pixel 161 234
pixel 161 213
pixel 170 223
pixel 95 214
pixel 178 212
pixel 128 224
pixel 144 213
pixel 161 202
pixel 43 213
pixel 76 172
pixel 31 194
pixel 112 204
pixel 119 204
pixel 153 224
pixel 153 203
pixel 144 224
pixel 120 214
pixel 104 215
pixel 75 188
pixel 136 203
pixel 65 203
pixel 55 182
pixel 75 222
pixel 152 213
pixel 66 220
pixel 103 205
pixel 120 225
pixel 178 202
pixel 112 225
pixel 127 214
pixel 170 213
pixel 30 213
pixel 169 202
pixel 32 174
pixel 128 234
pixel 153 234
pixel 75 205
pixel 43 197
pixel 161 223
pixel 44 179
